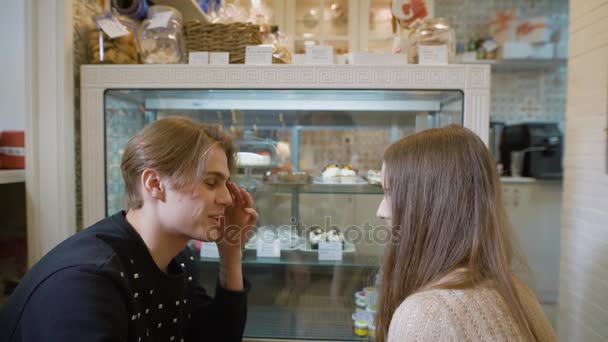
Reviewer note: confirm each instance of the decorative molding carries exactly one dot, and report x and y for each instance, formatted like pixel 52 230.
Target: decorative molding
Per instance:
pixel 291 76
pixel 478 101
pixel 472 80
pixel 50 173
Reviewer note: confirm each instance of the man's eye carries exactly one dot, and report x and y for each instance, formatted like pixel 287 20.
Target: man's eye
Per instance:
pixel 210 183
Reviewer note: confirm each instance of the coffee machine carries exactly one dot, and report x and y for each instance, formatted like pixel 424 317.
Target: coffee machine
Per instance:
pixel 532 149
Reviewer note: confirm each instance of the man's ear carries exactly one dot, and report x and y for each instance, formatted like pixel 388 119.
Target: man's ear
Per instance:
pixel 152 184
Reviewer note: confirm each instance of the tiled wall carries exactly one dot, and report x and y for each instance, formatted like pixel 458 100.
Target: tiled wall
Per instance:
pixel 517 96
pixel 583 310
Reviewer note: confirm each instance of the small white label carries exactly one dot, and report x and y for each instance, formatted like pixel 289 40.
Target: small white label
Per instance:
pixel 160 20
pixel 298 58
pixel 209 250
pixel 320 54
pixel 112 27
pixel 12 151
pixel 470 56
pixel 330 251
pixel 198 58
pixel 219 58
pixel 258 55
pixel 268 249
pixel 433 55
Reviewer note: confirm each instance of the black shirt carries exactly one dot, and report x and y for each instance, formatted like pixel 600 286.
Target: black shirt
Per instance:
pixel 103 285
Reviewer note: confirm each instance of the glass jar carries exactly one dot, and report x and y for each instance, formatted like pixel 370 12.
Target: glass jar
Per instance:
pixel 112 40
pixel 432 42
pixel 361 328
pixel 161 37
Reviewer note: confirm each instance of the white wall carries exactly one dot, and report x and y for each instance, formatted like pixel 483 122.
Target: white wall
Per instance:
pixel 583 311
pixel 12 65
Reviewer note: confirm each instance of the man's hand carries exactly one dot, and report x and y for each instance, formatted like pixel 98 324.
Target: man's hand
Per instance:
pixel 236 227
pixel 239 220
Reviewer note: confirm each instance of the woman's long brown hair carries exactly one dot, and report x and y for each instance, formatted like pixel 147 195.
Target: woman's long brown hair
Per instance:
pixel 447 214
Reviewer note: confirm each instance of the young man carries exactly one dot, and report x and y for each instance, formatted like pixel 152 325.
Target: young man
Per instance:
pixel 130 277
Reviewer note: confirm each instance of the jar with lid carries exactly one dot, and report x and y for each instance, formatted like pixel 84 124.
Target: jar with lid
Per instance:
pixel 161 37
pixel 112 40
pixel 361 328
pixel 432 42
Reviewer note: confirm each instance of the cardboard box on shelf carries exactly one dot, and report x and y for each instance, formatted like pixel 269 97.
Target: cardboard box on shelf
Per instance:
pixel 516 50
pixel 12 150
pixel 542 51
pixel 522 50
pixel 561 49
pixel 534 30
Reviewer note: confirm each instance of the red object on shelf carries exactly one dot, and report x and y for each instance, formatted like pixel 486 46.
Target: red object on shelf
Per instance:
pixel 12 150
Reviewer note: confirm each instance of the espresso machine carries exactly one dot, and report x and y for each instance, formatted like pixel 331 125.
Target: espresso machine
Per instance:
pixel 532 149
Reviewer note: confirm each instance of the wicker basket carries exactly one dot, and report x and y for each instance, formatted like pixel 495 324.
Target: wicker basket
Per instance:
pixel 232 38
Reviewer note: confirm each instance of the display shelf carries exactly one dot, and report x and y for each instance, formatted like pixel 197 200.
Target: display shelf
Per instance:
pixel 324 115
pixel 342 189
pixel 12 176
pixel 299 258
pixel 314 323
pixel 302 307
pixel 517 180
pixel 522 64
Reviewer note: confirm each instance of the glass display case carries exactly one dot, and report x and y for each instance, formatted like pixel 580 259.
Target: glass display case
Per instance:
pixel 310 144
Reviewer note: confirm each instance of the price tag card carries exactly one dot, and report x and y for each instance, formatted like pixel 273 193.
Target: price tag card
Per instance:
pixel 298 58
pixel 209 250
pixel 433 55
pixel 219 58
pixel 330 251
pixel 198 58
pixel 112 27
pixel 258 55
pixel 160 20
pixel 320 54
pixel 268 249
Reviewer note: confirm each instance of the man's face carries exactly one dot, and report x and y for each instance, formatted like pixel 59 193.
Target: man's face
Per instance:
pixel 196 213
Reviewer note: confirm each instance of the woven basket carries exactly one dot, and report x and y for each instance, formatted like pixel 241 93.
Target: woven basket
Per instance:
pixel 232 38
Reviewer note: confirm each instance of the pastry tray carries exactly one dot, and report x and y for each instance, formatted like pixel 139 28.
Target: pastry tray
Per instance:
pixel 304 246
pixel 340 180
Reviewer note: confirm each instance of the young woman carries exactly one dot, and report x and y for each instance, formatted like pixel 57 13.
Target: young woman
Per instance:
pixel 447 271
pixel 130 277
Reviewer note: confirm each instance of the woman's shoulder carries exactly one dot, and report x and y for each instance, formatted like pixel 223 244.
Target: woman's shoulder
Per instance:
pixel 452 314
pixel 445 301
pixel 423 316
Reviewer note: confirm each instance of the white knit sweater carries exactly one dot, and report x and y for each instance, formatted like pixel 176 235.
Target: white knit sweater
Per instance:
pixel 477 314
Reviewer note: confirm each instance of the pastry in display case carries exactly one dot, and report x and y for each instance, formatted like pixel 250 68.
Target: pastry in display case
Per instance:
pixel 309 144
pixel 335 174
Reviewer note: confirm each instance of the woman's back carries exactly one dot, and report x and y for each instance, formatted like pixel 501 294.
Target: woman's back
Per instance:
pixel 475 314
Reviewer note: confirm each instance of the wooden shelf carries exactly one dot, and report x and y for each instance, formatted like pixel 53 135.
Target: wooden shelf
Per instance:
pixel 12 176
pixel 522 64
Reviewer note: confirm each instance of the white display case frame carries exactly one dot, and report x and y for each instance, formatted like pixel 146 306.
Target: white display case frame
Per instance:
pixel 472 80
